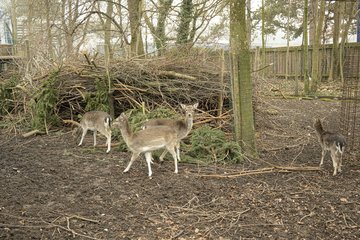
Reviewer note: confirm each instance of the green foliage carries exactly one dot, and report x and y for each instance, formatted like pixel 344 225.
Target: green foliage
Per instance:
pixel 7 97
pixel 210 145
pixel 100 99
pixel 44 104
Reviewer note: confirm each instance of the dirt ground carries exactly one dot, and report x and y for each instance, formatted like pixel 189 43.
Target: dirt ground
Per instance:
pixel 53 189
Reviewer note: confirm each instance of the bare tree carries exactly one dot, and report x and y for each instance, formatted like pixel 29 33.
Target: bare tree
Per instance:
pixel 161 12
pixel 135 15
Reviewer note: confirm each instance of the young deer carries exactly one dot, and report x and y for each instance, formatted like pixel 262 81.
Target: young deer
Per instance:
pixel 96 121
pixel 182 127
pixel 146 141
pixel 333 142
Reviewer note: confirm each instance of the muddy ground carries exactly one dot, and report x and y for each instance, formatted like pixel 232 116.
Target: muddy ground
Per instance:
pixel 53 189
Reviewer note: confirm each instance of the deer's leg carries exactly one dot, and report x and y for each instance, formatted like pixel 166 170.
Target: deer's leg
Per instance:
pixel 178 151
pixel 335 162
pixel 148 161
pixel 133 157
pixel 323 152
pixel 340 163
pixel 83 136
pixel 108 141
pixel 163 155
pixel 171 149
pixel 94 134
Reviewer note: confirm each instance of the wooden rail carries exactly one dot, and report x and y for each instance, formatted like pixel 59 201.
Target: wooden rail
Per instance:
pixel 277 56
pixel 9 52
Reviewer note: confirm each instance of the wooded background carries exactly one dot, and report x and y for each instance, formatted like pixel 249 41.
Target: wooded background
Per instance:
pixel 141 46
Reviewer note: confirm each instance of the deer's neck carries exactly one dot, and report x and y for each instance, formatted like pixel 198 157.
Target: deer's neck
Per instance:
pixel 319 129
pixel 126 133
pixel 189 123
pixel 185 127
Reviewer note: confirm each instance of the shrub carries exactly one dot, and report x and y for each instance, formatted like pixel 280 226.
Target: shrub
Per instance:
pixel 44 104
pixel 100 99
pixel 7 98
pixel 210 145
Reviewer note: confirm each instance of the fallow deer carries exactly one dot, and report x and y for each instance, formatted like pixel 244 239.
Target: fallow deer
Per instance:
pixel 181 126
pixel 147 140
pixel 96 121
pixel 333 142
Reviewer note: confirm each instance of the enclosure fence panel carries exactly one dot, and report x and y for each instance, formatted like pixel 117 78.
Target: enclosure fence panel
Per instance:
pixel 350 108
pixel 277 56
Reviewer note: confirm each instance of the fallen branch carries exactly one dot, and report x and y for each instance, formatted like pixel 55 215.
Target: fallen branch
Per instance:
pixel 278 169
pixel 68 121
pixel 49 225
pixel 176 75
pixel 31 133
pixel 262 68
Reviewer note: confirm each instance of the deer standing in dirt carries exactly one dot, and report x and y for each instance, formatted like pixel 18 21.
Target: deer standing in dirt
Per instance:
pixel 146 141
pixel 182 126
pixel 96 121
pixel 333 142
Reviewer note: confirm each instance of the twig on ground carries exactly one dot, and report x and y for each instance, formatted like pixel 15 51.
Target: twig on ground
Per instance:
pixel 278 169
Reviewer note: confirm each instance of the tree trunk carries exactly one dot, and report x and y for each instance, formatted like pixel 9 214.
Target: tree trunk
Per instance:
pixel 351 13
pixel 135 12
pixel 288 42
pixel 185 17
pixel 48 29
pixel 263 54
pixel 306 49
pixel 107 31
pixel 241 78
pixel 316 59
pixel 312 23
pixel 335 60
pixel 248 17
pixel 159 31
pixel 14 23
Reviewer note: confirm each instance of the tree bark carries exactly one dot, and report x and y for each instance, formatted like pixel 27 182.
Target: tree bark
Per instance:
pixel 316 59
pixel 306 49
pixel 135 14
pixel 335 60
pixel 107 31
pixel 159 31
pixel 185 17
pixel 241 78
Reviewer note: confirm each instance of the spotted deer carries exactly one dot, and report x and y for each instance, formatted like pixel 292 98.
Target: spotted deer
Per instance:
pixel 181 126
pixel 146 141
pixel 96 121
pixel 333 142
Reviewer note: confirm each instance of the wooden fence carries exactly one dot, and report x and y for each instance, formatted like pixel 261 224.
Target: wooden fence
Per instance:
pixel 277 56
